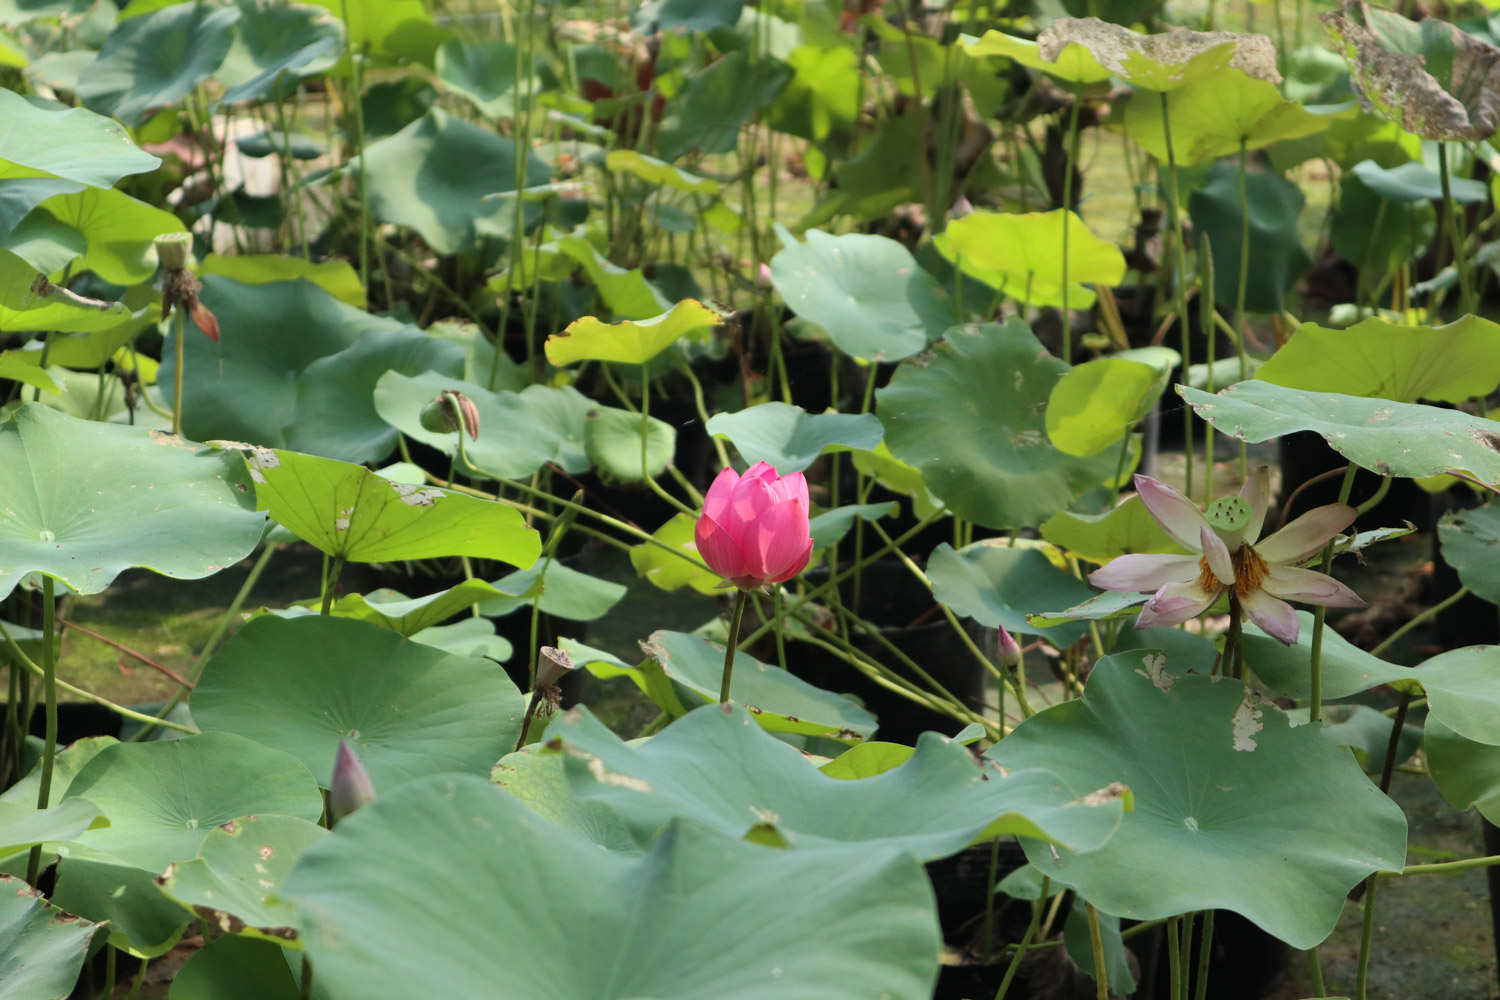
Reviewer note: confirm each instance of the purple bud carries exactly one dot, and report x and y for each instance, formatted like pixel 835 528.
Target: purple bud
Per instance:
pixel 351 787
pixel 1007 651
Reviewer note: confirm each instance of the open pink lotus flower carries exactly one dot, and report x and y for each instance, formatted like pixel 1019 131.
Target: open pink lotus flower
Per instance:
pixel 1228 553
pixel 754 528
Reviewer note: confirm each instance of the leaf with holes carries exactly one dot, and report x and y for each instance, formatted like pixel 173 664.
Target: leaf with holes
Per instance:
pixel 1235 809
pixel 352 513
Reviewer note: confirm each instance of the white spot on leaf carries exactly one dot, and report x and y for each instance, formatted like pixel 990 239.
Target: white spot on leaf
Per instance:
pixel 1155 669
pixel 1247 723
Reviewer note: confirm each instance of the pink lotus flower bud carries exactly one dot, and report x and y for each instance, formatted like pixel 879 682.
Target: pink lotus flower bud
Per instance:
pixel 763 276
pixel 351 787
pixel 1007 650
pixel 754 528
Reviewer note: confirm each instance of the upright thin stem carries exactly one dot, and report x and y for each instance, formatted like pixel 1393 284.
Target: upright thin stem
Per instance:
pixel 179 335
pixel 1031 928
pixel 734 637
pixel 1205 954
pixel 1096 941
pixel 1239 294
pixel 1174 957
pixel 1179 281
pixel 1366 933
pixel 331 584
pixel 1315 677
pixel 1315 971
pixel 1067 321
pixel 49 693
pixel 1450 223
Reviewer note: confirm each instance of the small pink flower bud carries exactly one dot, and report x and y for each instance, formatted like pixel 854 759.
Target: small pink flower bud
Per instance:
pixel 754 528
pixel 1007 650
pixel 351 787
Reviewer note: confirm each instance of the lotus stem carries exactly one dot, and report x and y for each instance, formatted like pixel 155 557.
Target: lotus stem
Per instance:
pixel 741 599
pixel 1450 223
pixel 1315 664
pixel 1205 954
pixel 1096 942
pixel 49 694
pixel 1036 919
pixel 180 336
pixel 1179 290
pixel 1366 932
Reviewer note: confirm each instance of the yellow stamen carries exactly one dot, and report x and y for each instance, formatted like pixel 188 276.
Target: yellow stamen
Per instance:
pixel 1249 570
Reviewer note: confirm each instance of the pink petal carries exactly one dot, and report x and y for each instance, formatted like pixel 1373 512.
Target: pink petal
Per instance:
pixel 1256 492
pixel 1175 603
pixel 1309 587
pixel 719 549
pixel 1307 534
pixel 720 494
pixel 793 487
pixel 1275 617
pixel 1140 571
pixel 752 498
pixel 776 540
pixel 797 565
pixel 1216 554
pixel 1174 512
pixel 763 471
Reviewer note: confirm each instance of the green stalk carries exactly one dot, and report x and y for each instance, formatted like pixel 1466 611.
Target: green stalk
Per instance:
pixel 331 584
pixel 49 694
pixel 180 334
pixel 1205 953
pixel 1186 950
pixel 1207 314
pixel 1420 618
pixel 1180 285
pixel 1096 941
pixel 1239 296
pixel 1015 963
pixel 1174 957
pixel 1067 325
pixel 1315 683
pixel 359 146
pixel 733 641
pixel 1315 970
pixel 1450 223
pixel 1366 933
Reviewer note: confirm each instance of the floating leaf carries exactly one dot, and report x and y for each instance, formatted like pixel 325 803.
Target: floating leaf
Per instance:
pixel 1095 404
pixel 998 585
pixel 1396 439
pixel 153 61
pixel 303 684
pixel 1375 357
pixel 473 909
pixel 986 387
pixel 631 342
pixel 717 767
pixel 350 512
pixel 83 147
pixel 1215 116
pixel 1099 538
pixel 1021 255
pixel 75 483
pixel 234 884
pixel 790 438
pixel 1203 761
pixel 1427 76
pixel 42 947
pixel 868 292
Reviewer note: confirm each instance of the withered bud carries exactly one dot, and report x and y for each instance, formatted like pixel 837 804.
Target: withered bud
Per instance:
pixel 351 787
pixel 172 250
pixel 552 666
pixel 450 411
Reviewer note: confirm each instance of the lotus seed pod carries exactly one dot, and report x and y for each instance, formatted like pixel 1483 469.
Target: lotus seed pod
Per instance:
pixel 172 250
pixel 450 411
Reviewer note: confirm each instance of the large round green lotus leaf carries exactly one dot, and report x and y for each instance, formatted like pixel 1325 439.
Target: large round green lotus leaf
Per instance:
pixel 236 968
pixel 348 511
pixel 1095 404
pixel 779 700
pixel 1414 181
pixel 336 277
pixel 717 101
pixel 1345 668
pixel 1377 235
pixel 81 146
pixel 518 432
pixel 1212 118
pixel 410 615
pixel 971 418
pixel 1235 809
pixel 1021 255
pixel 539 778
pixel 484 72
pixel 998 585
pixel 560 590
pixel 625 293
pixel 1471 545
pixel 1168 61
pixel 246 387
pixel 141 920
pixel 1428 76
pixel 1379 358
pixel 474 911
pixel 84 501
pixel 234 884
pixel 275 47
pixel 612 438
pixel 424 178
pixel 868 292
pixel 23 826
pixel 118 231
pixel 474 637
pixel 830 526
pixel 153 61
pixel 1277 258
pixel 658 174
pixel 717 767
pixel 1466 772
pixel 687 15
pixel 393 29
pixel 336 414
pixel 42 947
pixel 163 797
pixel 631 342
pixel 1072 63
pixel 790 438
pixel 671 572
pixel 1099 538
pixel 408 710
pixel 1394 439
